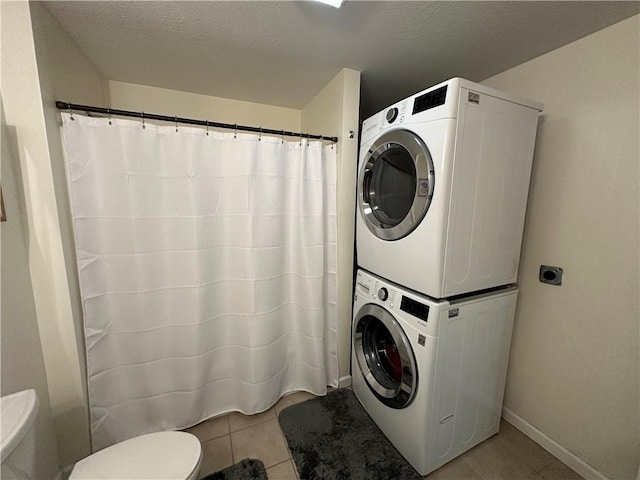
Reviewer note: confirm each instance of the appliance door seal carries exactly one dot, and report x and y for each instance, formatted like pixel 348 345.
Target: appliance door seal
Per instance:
pixel 384 356
pixel 395 184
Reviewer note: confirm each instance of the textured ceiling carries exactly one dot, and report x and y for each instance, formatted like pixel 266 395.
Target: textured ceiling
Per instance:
pixel 282 53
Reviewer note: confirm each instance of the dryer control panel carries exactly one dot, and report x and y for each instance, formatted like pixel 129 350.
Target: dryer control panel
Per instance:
pixel 393 115
pixel 434 103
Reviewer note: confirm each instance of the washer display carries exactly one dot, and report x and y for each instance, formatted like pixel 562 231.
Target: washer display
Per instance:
pixel 442 188
pixel 431 374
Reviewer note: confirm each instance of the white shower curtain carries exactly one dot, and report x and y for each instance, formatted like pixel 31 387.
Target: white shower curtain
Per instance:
pixel 207 268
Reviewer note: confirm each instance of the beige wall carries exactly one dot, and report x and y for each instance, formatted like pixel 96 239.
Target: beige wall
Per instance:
pixel 38 300
pixel 574 368
pixel 129 96
pixel 574 365
pixel 334 112
pixel 45 65
pixel 21 351
pixel 40 63
pixel 65 74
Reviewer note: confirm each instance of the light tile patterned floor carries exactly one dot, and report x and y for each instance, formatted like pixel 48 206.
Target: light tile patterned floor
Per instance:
pixel 509 455
pixel 228 439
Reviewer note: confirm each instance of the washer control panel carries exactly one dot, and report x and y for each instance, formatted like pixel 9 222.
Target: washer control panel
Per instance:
pixel 364 284
pixel 413 309
pixel 371 288
pixel 385 294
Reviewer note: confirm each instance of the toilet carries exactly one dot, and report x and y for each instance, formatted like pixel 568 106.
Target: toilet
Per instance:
pixel 154 456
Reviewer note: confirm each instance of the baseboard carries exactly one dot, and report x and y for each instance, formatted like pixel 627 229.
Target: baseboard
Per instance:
pixel 553 447
pixel 344 381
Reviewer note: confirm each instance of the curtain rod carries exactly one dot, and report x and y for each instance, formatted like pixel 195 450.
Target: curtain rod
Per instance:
pixel 188 121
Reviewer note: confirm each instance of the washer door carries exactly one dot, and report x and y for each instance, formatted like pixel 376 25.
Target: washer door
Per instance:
pixel 395 185
pixel 385 356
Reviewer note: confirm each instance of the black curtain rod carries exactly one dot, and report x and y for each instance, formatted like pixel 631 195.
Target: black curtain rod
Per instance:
pixel 188 121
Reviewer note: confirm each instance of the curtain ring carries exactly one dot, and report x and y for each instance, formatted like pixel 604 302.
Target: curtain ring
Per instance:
pixel 207 128
pixel 70 112
pixel 143 125
pixel 176 119
pixel 282 137
pixel 235 130
pixel 260 135
pixel 109 115
pixel 308 139
pixel 301 136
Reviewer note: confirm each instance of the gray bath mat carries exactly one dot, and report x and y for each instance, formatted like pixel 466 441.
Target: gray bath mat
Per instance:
pixel 333 438
pixel 247 469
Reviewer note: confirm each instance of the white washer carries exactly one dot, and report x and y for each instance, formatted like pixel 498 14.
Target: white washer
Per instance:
pixel 442 188
pixel 431 374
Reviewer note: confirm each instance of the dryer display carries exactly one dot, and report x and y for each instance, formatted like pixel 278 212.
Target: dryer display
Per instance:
pixel 431 99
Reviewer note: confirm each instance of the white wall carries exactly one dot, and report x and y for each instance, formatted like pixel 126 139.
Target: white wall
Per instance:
pixel 334 112
pixel 129 96
pixel 574 368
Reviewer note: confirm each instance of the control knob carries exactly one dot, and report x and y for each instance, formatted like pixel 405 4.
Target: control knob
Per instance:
pixel 392 114
pixel 383 294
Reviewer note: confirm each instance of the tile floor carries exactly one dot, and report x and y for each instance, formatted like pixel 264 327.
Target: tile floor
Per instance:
pixel 510 455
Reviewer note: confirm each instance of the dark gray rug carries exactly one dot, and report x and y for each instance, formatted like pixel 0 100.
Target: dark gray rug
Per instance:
pixel 247 469
pixel 333 438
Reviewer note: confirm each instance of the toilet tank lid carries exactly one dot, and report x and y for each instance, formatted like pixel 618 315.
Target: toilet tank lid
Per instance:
pixel 18 411
pixel 158 456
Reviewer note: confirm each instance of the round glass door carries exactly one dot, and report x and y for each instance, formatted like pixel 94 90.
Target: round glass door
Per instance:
pixel 384 356
pixel 396 184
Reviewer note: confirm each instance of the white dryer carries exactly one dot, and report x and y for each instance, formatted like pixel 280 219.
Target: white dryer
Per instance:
pixel 442 188
pixel 431 374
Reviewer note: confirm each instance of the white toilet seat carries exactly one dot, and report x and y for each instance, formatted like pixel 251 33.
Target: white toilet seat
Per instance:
pixel 155 456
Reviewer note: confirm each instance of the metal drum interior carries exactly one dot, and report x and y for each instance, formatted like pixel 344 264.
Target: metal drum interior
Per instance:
pixel 396 183
pixel 385 356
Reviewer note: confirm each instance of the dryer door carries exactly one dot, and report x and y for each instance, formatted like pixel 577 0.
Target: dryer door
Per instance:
pixel 385 356
pixel 395 184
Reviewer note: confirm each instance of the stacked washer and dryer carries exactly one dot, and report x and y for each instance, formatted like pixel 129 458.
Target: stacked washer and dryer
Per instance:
pixel 442 192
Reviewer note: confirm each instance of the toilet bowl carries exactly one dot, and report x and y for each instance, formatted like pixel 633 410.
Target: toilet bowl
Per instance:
pixel 154 456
